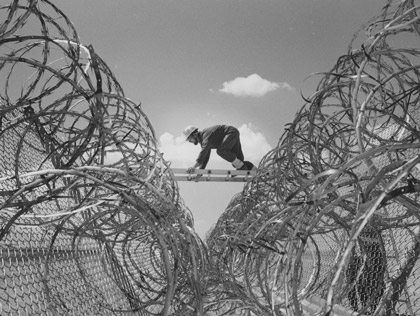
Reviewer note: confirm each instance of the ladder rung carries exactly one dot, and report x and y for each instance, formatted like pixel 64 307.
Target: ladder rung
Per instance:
pixel 210 175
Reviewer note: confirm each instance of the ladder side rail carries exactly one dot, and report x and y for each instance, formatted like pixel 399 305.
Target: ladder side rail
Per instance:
pixel 216 172
pixel 211 179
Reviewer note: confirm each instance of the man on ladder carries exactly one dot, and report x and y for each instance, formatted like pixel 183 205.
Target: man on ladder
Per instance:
pixel 223 138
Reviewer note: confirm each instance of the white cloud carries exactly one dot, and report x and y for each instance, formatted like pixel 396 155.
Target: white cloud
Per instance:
pixel 285 85
pixel 182 154
pixel 177 150
pixel 253 85
pixel 254 144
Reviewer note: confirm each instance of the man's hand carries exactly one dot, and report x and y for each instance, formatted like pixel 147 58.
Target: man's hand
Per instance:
pixel 192 168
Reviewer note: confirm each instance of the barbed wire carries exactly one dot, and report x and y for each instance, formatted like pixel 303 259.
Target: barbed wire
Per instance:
pixel 91 221
pixel 332 219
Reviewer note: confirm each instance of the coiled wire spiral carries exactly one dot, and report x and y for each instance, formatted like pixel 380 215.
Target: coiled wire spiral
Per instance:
pixel 331 222
pixel 91 221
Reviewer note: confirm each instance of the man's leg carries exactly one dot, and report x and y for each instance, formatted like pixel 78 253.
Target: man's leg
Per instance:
pixel 237 149
pixel 230 148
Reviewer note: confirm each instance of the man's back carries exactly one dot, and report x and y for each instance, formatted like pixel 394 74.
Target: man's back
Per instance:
pixel 213 136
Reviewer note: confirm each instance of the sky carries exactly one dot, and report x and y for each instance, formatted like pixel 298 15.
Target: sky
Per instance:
pixel 244 63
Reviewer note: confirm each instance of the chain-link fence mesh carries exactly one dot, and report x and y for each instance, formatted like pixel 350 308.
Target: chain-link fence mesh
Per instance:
pixel 91 220
pixel 331 223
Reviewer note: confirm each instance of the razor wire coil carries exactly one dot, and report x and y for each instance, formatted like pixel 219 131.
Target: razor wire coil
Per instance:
pixel 92 221
pixel 91 218
pixel 334 208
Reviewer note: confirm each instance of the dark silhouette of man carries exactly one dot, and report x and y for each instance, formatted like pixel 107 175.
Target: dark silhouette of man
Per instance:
pixel 223 138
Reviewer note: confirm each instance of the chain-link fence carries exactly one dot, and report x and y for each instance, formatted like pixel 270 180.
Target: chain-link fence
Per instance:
pixel 331 223
pixel 91 222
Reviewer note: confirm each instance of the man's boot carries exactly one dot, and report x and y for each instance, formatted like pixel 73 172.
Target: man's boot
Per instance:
pixel 249 165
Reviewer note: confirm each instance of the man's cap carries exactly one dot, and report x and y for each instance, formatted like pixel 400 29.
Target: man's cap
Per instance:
pixel 189 130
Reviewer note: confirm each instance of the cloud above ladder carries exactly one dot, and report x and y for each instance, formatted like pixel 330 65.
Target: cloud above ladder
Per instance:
pixel 253 85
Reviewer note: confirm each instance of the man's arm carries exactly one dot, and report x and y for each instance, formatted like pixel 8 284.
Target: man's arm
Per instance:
pixel 204 155
pixel 202 160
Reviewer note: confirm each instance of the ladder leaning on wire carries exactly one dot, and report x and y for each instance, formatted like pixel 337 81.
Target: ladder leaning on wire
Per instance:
pixel 210 175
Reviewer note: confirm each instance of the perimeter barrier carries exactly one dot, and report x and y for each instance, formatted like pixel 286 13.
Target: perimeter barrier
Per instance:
pixel 92 223
pixel 330 225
